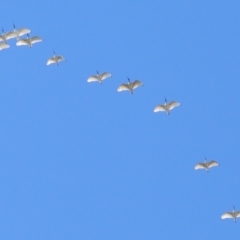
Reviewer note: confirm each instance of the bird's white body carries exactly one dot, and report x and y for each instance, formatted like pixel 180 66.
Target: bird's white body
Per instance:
pixel 206 165
pixel 166 107
pixel 130 86
pixel 55 59
pixel 99 77
pixel 19 32
pixel 4 46
pixel 29 41
pixel 234 214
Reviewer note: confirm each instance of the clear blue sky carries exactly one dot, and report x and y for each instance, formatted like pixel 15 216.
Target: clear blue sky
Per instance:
pixel 79 160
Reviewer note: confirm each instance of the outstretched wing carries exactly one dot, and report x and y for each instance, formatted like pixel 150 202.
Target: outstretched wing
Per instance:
pixel 2 38
pixel 50 61
pixel 213 164
pixel 123 87
pixel 23 31
pixel 4 46
pixel 22 42
pixel 238 214
pixel 10 35
pixel 137 83
pixel 159 108
pixel 105 75
pixel 199 166
pixel 227 215
pixel 36 39
pixel 93 78
pixel 173 104
pixel 60 58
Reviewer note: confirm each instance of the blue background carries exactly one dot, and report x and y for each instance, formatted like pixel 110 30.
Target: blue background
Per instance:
pixel 79 160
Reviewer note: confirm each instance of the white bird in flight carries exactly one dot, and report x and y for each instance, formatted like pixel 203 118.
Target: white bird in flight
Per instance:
pixel 4 46
pixel 5 36
pixel 166 106
pixel 99 77
pixel 206 165
pixel 29 41
pixel 130 86
pixel 18 32
pixel 234 214
pixel 55 59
